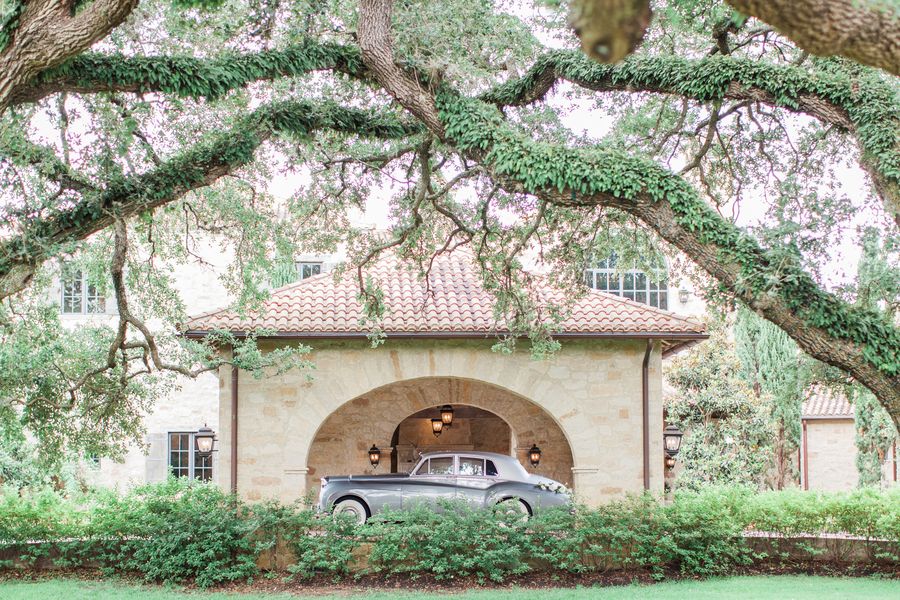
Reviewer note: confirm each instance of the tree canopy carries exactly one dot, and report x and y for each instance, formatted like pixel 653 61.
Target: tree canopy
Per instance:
pixel 131 131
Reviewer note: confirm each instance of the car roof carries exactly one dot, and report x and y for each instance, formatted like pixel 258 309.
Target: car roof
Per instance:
pixel 494 455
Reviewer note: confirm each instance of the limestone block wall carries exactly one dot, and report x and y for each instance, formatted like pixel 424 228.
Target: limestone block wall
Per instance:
pixel 591 389
pixel 831 456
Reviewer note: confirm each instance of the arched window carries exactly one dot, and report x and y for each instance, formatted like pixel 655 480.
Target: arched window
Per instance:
pixel 633 284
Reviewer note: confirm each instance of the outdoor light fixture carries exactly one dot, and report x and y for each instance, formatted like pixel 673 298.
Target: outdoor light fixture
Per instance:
pixel 204 439
pixel 684 294
pixel 447 415
pixel 534 455
pixel 672 440
pixel 374 456
pixel 437 426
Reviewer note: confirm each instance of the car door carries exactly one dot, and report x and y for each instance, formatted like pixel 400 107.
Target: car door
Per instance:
pixel 434 480
pixel 474 475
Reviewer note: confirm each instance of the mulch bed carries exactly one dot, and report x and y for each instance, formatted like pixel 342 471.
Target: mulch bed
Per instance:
pixel 427 583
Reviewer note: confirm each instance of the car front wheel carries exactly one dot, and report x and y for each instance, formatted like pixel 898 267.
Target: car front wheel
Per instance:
pixel 515 508
pixel 352 508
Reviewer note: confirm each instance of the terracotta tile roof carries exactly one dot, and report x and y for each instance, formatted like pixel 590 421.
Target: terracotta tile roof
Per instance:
pixel 824 404
pixel 458 305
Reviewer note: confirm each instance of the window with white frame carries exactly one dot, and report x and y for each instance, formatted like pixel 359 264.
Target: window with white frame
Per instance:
pixel 184 460
pixel 608 276
pixel 308 269
pixel 80 296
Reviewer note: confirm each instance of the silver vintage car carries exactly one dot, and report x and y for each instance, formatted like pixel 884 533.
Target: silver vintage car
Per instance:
pixel 482 479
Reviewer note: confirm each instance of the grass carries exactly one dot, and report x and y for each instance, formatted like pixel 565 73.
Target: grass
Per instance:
pixel 732 588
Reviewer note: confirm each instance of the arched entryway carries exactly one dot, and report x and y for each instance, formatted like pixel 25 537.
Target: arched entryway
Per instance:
pixel 397 418
pixel 472 428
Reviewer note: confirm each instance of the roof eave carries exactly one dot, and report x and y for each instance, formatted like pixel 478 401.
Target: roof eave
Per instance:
pixel 687 338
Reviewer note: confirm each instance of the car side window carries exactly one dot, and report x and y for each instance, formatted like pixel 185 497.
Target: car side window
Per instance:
pixel 471 466
pixel 440 466
pixel 491 470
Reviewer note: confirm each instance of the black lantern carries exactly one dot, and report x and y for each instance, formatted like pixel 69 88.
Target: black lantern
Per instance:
pixel 437 426
pixel 374 456
pixel 204 439
pixel 534 455
pixel 672 440
pixel 447 415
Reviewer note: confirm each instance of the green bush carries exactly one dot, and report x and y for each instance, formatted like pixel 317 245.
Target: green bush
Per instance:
pixel 176 531
pixel 183 531
pixel 456 542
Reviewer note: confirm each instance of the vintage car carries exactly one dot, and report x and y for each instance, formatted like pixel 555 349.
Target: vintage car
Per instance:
pixel 480 478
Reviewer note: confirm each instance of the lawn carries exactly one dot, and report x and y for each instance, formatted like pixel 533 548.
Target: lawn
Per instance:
pixel 733 588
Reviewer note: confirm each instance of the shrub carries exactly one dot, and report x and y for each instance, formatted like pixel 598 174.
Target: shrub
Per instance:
pixel 456 542
pixel 177 531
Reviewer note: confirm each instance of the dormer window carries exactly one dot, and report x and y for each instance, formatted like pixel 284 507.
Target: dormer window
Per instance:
pixel 633 284
pixel 308 269
pixel 80 296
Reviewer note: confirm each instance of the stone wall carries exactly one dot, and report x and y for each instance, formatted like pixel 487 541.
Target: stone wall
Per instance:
pixel 591 390
pixel 831 456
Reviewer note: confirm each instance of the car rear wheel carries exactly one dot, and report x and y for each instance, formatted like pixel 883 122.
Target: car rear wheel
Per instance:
pixel 352 508
pixel 515 509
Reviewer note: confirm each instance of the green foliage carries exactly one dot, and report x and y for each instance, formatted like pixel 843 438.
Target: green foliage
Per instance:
pixel 176 531
pixel 479 129
pixel 186 76
pixel 10 11
pixel 770 363
pixel 458 542
pixel 728 430
pixel 875 432
pixel 180 531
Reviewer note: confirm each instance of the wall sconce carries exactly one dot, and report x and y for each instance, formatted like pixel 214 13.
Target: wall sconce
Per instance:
pixel 437 426
pixel 447 415
pixel 672 443
pixel 683 295
pixel 204 440
pixel 534 455
pixel 374 456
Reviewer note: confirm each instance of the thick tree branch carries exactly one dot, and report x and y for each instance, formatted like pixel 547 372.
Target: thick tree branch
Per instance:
pixel 49 32
pixel 201 165
pixel 868 109
pixel 857 341
pixel 865 31
pixel 186 76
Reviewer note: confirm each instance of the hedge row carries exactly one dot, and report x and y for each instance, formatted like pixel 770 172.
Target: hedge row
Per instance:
pixel 176 531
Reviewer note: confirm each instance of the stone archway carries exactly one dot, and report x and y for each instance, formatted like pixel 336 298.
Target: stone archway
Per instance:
pixel 340 444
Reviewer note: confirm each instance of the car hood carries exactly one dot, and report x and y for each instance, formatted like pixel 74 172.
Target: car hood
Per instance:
pixel 379 477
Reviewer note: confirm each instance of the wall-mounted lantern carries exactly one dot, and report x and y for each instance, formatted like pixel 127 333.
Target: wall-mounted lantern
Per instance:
pixel 684 294
pixel 672 443
pixel 534 455
pixel 437 426
pixel 204 440
pixel 374 456
pixel 447 415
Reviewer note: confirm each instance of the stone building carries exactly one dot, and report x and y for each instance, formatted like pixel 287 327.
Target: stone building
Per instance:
pixel 594 408
pixel 828 446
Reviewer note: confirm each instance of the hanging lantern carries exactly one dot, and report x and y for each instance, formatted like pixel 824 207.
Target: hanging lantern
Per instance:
pixel 447 415
pixel 437 426
pixel 204 440
pixel 672 440
pixel 534 455
pixel 374 455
